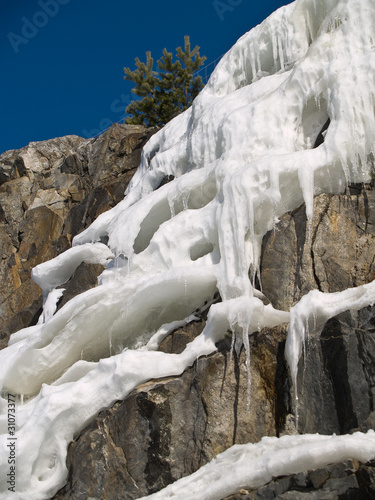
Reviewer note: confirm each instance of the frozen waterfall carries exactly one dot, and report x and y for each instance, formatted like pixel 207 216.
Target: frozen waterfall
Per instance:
pixel 287 114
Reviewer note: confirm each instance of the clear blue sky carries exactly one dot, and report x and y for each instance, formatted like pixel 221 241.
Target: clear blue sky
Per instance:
pixel 63 60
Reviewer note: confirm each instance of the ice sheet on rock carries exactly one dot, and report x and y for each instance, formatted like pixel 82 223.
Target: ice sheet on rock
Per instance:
pixel 253 465
pixel 100 322
pixel 59 270
pixel 311 313
pixel 50 304
pixel 49 421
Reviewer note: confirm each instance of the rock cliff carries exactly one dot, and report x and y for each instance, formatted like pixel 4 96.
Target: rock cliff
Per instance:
pixel 167 429
pixel 50 191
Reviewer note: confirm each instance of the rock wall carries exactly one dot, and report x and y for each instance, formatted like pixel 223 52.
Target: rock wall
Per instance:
pixel 167 429
pixel 337 377
pixel 49 192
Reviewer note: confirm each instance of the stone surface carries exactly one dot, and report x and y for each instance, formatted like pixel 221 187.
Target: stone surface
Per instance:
pixel 337 253
pixel 49 192
pixel 336 383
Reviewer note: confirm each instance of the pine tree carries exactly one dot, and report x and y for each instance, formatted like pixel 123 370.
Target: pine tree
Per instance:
pixel 169 90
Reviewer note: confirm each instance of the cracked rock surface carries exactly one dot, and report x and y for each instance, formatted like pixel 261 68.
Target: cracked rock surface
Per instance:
pixel 167 429
pixel 338 251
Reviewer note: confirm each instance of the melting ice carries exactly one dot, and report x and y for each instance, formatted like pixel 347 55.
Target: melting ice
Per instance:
pixel 287 114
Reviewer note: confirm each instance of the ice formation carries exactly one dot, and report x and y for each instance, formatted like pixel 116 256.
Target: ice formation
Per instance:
pixel 253 465
pixel 288 113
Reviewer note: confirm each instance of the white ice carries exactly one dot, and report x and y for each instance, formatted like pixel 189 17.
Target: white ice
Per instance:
pixel 241 157
pixel 59 270
pixel 310 314
pixel 253 465
pixel 50 304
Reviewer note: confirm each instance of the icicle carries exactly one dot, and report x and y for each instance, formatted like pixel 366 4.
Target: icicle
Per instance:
pixel 245 339
pixel 274 51
pixel 305 345
pixel 171 205
pixel 232 346
pixel 346 170
pixel 274 218
pixel 306 182
pixel 185 202
pixel 317 100
pixel 308 27
pixel 259 61
pixel 294 347
pixel 252 61
pixel 281 53
pixel 110 342
pixel 296 403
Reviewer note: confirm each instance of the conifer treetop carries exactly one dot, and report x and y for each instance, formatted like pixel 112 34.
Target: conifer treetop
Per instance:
pixel 169 90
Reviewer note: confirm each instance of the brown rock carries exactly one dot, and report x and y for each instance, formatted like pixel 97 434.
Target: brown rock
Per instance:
pixel 337 254
pixel 50 191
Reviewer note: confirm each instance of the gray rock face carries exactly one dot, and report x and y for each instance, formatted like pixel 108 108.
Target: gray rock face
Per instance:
pixel 49 192
pixel 336 380
pixel 336 253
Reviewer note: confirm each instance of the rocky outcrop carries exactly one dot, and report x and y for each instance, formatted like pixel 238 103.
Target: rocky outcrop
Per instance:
pixel 49 192
pixel 167 429
pixel 336 253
